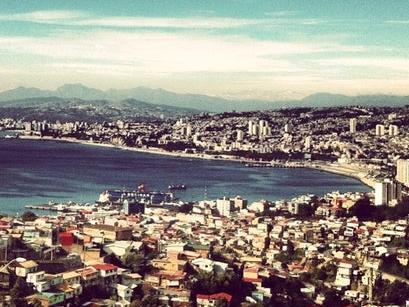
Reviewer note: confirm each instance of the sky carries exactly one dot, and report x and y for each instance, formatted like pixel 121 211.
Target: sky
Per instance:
pixel 243 49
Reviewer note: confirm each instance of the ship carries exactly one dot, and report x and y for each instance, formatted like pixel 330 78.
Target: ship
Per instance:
pixel 177 187
pixel 151 197
pixel 8 136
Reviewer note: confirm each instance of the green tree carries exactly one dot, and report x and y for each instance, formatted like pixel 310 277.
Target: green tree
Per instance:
pixel 136 262
pixel 333 299
pixel 20 291
pixel 28 216
pixel 151 299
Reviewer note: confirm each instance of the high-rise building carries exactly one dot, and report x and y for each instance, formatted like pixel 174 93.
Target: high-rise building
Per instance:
pixel 402 171
pixel 250 127
pixel 379 130
pixel 225 206
pixel 240 136
pixel 265 131
pixel 132 207
pixel 393 130
pixel 188 130
pixel 388 192
pixel 307 142
pixel 255 129
pixel 352 125
pixel 287 128
pixel 391 116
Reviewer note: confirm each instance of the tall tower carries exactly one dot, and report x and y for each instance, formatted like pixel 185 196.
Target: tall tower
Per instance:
pixel 402 171
pixel 352 125
pixel 379 130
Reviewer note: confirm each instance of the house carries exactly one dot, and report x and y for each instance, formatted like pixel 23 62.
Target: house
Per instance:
pixel 124 292
pixel 168 264
pixel 344 273
pixel 129 279
pixel 212 300
pixel 48 298
pixel 71 278
pixel 210 265
pixel 106 269
pixel 26 267
pixel 89 276
pixel 108 232
pixel 121 248
pixel 4 278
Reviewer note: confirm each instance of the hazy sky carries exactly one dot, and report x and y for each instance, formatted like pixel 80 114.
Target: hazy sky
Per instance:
pixel 237 48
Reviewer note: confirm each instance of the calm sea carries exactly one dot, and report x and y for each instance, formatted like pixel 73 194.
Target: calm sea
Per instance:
pixel 33 172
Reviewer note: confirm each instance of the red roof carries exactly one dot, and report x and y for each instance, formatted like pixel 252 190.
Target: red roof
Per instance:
pixel 105 267
pixel 252 280
pixel 221 295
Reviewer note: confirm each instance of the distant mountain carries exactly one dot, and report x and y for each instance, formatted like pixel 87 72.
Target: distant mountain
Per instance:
pixel 327 100
pixel 199 102
pixel 23 93
pixel 79 91
pixel 74 109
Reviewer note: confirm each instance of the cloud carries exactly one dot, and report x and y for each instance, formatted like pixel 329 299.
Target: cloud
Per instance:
pixel 80 18
pixel 389 63
pixel 52 16
pixel 400 22
pixel 167 52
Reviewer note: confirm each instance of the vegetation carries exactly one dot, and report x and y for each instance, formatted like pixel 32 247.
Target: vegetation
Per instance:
pixel 28 216
pixel 229 282
pixel 285 292
pixel 365 211
pixel 136 262
pixel 20 291
pixel 334 299
pixel 391 293
pixel 151 299
pixel 391 265
pixel 290 255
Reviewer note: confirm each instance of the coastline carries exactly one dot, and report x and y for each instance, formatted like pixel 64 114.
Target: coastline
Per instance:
pixel 334 168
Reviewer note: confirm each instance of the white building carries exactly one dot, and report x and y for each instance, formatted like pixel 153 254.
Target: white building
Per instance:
pixel 224 206
pixel 250 127
pixel 402 171
pixel 352 125
pixel 189 130
pixel 379 130
pixel 387 192
pixel 307 142
pixel 393 130
pixel 240 136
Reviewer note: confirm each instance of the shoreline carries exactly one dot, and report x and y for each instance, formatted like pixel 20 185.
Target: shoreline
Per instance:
pixel 334 168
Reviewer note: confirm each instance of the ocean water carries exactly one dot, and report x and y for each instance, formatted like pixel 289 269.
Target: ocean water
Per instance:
pixel 36 172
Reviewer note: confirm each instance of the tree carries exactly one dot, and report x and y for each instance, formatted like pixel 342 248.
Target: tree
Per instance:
pixel 333 299
pixel 35 303
pixel 362 209
pixel 136 262
pixel 395 293
pixel 28 216
pixel 151 300
pixel 20 291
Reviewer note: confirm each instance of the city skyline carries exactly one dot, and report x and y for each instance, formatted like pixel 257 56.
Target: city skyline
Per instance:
pixel 242 49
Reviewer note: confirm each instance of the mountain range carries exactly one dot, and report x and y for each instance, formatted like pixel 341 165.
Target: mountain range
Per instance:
pixel 74 109
pixel 187 102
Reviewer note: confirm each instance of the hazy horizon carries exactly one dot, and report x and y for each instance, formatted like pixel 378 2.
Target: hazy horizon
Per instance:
pixel 239 50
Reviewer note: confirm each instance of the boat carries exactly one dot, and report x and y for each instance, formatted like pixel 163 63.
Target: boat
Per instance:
pixel 8 136
pixel 177 187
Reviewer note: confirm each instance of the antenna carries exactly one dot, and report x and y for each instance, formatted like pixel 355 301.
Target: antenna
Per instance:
pixel 205 193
